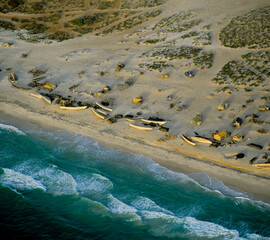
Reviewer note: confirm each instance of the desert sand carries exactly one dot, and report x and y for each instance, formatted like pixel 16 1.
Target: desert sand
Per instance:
pixel 81 67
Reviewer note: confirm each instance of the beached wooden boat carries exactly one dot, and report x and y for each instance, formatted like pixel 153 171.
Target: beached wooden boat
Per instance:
pixel 262 165
pixel 188 140
pixel 47 100
pixel 36 95
pixel 201 140
pixel 20 87
pixel 153 121
pixel 140 127
pixel 130 119
pixel 73 108
pixel 99 115
pixel 101 111
pixel 104 107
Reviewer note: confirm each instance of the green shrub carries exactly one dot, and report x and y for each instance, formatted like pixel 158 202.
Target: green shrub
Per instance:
pixel 14 3
pixel 77 22
pixel 7 25
pixel 250 30
pixel 34 28
pixel 60 36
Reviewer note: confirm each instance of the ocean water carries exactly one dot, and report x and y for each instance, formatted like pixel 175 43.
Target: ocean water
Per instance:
pixel 57 185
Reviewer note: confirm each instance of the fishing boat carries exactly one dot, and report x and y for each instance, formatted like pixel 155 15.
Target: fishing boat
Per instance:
pixel 154 121
pixel 38 95
pixel 188 140
pixel 20 87
pixel 130 119
pixel 46 99
pixel 262 165
pixel 73 108
pixel 104 107
pixel 102 112
pixel 140 127
pixel 201 140
pixel 99 115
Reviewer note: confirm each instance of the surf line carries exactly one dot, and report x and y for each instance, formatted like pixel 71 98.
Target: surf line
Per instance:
pixel 229 166
pixel 66 122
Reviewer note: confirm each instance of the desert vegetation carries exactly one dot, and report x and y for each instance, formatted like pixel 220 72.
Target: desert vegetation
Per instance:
pixel 174 19
pixel 133 22
pixel 73 17
pixel 190 55
pixel 259 60
pixel 129 4
pixel 236 75
pixel 7 25
pixel 249 30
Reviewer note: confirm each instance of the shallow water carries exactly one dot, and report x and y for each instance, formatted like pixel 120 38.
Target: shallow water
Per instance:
pixel 56 185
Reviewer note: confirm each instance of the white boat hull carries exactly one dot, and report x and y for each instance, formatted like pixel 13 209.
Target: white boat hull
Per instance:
pixel 73 108
pixel 189 141
pixel 98 114
pixel 155 122
pixel 104 107
pixel 201 140
pixel 37 95
pixel 140 127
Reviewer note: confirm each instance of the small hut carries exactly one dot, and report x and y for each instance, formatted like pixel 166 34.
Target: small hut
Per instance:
pixel 221 135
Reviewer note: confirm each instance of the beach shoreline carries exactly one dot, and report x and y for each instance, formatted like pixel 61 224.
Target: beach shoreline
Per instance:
pixel 176 62
pixel 250 183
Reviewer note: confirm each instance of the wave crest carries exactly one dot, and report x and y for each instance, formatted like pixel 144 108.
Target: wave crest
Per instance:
pixel 11 128
pixel 19 181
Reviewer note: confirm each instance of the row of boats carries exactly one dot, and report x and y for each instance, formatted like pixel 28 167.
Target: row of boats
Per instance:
pixel 102 112
pixel 194 140
pixel 103 115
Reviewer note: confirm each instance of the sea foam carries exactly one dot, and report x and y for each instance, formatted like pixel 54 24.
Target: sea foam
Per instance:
pixel 187 227
pixel 95 183
pixel 54 179
pixel 120 208
pixel 11 128
pixel 19 181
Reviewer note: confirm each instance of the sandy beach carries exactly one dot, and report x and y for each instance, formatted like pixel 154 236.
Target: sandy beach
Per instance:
pixel 88 69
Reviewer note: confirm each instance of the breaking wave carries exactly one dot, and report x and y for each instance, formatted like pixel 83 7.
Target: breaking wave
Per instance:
pixel 88 184
pixel 11 128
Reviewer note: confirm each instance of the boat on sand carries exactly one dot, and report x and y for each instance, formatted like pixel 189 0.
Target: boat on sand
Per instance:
pixel 201 140
pixel 20 87
pixel 140 127
pixel 154 121
pixel 73 108
pixel 36 95
pixel 262 165
pixel 188 140
pixel 40 96
pixel 104 107
pixel 101 111
pixel 132 119
pixel 99 115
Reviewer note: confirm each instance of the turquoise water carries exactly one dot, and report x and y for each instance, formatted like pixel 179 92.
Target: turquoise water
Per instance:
pixel 56 185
